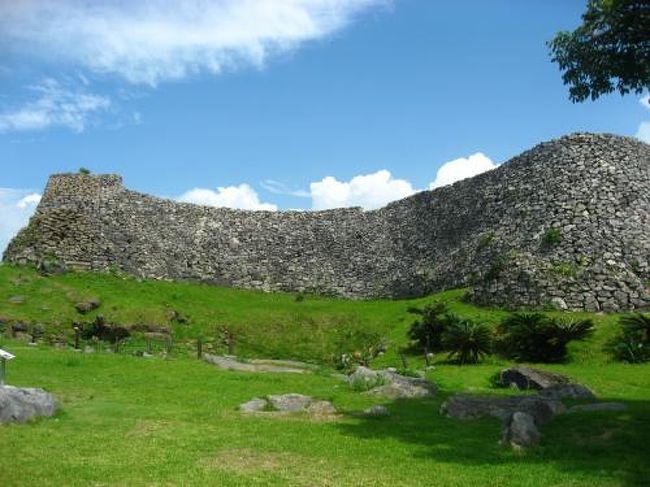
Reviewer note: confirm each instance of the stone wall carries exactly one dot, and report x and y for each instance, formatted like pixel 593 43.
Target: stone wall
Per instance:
pixel 566 223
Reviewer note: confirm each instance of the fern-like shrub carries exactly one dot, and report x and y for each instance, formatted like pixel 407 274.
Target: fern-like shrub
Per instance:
pixel 467 342
pixel 633 342
pixel 534 337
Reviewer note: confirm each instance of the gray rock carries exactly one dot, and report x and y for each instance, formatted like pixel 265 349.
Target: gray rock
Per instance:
pixel 320 408
pixel 254 405
pixel 391 384
pixel 84 307
pixel 16 299
pixel 364 375
pixel 559 303
pixel 290 402
pixel 468 407
pixel 528 378
pixel 377 410
pixel 599 406
pixel 567 391
pixel 20 404
pixel 520 431
pixel 280 366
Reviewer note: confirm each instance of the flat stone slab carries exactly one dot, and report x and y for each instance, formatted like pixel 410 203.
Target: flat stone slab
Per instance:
pixel 467 407
pixel 280 366
pixel 599 406
pixel 20 404
pixel 289 403
pixel 567 391
pixel 524 378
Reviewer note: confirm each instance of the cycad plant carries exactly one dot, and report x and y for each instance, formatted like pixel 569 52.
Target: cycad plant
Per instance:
pixel 534 337
pixel 633 343
pixel 466 341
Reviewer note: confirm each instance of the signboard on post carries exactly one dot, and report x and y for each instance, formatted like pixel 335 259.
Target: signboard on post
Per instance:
pixel 4 356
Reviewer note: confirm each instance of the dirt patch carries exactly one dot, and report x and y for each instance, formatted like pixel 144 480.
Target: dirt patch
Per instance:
pixel 145 428
pixel 246 460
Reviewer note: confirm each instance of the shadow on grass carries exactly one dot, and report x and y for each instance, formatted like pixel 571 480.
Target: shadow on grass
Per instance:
pixel 611 446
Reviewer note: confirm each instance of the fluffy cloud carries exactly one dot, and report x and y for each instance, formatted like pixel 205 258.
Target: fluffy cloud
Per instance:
pixel 55 105
pixel 367 190
pixel 149 41
pixel 461 168
pixel 16 206
pixel 242 197
pixel 643 133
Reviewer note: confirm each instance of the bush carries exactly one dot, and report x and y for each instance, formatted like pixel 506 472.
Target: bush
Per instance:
pixel 551 237
pixel 83 170
pixel 428 329
pixel 467 342
pixel 633 343
pixel 534 337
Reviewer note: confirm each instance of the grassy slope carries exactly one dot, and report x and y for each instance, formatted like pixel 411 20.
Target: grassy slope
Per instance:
pixel 134 421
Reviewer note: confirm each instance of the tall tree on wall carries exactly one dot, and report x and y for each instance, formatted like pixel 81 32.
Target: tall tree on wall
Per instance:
pixel 610 51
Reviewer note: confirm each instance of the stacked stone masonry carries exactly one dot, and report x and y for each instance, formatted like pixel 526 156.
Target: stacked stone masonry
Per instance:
pixel 565 224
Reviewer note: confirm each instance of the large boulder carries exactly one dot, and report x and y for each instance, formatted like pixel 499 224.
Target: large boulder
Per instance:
pixel 20 404
pixel 462 406
pixel 528 378
pixel 520 431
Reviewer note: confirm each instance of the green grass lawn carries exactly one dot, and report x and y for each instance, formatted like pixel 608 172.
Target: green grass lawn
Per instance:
pixel 128 420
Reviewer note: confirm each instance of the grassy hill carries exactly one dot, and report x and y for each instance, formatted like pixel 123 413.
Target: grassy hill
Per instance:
pixel 127 420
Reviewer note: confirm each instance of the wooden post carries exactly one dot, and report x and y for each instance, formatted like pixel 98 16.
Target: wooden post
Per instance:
pixel 169 344
pixel 148 344
pixel 77 332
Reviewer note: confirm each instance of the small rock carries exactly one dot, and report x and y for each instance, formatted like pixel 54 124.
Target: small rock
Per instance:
pixel 17 299
pixel 51 267
pixel 520 431
pixel 528 378
pixel 290 402
pixel 559 303
pixel 87 306
pixel 377 410
pixel 254 405
pixel 20 404
pixel 321 408
pixel 365 375
pixel 599 406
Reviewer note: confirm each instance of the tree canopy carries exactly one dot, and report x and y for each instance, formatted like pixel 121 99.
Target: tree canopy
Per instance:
pixel 609 51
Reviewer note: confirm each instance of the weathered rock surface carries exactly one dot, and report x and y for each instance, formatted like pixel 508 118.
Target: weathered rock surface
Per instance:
pixel 377 410
pixel 520 431
pixel 567 391
pixel 390 384
pixel 254 405
pixel 280 366
pixel 468 407
pixel 84 307
pixel 489 232
pixel 20 404
pixel 524 378
pixel 598 406
pixel 289 403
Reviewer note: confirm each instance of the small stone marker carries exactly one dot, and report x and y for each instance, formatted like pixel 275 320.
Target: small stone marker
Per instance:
pixel 4 357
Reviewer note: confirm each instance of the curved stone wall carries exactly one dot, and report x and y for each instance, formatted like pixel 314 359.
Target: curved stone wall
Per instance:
pixel 566 223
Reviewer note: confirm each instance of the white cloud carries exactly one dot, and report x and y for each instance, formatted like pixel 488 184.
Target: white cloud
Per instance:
pixel 461 168
pixel 149 41
pixel 55 105
pixel 16 206
pixel 643 132
pixel 241 197
pixel 276 187
pixel 368 191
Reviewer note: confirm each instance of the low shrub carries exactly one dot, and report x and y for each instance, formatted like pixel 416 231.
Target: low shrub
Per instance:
pixel 632 344
pixel 428 329
pixel 551 237
pixel 467 342
pixel 534 337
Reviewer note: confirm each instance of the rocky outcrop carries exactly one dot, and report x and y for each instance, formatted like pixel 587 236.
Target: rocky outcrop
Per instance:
pixel 565 224
pixel 389 384
pixel 523 378
pixel 20 404
pixel 289 403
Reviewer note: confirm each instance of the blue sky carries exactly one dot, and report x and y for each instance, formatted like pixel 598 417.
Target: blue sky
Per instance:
pixel 281 104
